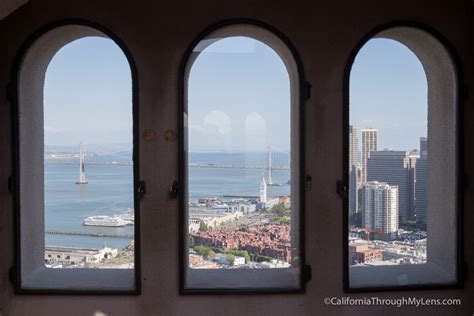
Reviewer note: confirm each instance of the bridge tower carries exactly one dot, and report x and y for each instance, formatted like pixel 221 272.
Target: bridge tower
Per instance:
pixel 82 174
pixel 270 181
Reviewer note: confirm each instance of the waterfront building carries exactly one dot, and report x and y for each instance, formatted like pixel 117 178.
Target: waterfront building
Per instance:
pixel 242 205
pixel 194 224
pixel 71 256
pixel 369 144
pixel 381 209
pixel 394 168
pixel 239 261
pixel 263 191
pixel 211 218
pixel 265 202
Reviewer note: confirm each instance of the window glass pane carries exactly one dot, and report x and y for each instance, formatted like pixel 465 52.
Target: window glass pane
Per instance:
pixel 88 169
pixel 241 215
pixel 75 176
pixel 394 232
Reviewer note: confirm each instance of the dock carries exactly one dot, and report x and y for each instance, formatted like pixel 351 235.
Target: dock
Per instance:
pixel 56 232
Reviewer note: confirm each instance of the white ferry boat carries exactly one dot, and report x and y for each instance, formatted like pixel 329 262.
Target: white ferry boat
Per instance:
pixel 129 217
pixel 105 221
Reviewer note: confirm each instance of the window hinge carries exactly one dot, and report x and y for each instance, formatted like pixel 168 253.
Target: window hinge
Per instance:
pixel 141 191
pixel 307 274
pixel 12 275
pixel 307 90
pixel 308 182
pixel 11 184
pixel 341 189
pixel 174 190
pixel 9 92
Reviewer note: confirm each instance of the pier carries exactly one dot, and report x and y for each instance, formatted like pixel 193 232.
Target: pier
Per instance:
pixel 56 232
pixel 241 196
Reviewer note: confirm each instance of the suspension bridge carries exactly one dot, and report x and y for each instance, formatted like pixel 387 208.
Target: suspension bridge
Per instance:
pixel 273 158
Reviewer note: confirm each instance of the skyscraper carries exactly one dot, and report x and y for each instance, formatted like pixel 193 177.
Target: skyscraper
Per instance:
pixel 421 182
pixel 381 209
pixel 423 147
pixel 353 166
pixel 369 144
pixel 353 146
pixel 394 168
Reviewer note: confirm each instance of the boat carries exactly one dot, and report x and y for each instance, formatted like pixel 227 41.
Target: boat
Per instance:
pixel 105 221
pixel 129 217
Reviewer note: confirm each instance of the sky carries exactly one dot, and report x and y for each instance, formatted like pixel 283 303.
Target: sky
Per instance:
pixel 88 94
pixel 239 98
pixel 239 95
pixel 388 91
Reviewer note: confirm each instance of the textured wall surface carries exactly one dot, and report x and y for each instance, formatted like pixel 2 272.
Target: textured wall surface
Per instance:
pixel 157 34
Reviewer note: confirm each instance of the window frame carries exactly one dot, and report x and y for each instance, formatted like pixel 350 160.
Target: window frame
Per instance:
pixel 459 172
pixel 14 180
pixel 304 93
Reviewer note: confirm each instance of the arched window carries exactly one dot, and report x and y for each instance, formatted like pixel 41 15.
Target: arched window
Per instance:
pixel 241 89
pixel 402 163
pixel 75 178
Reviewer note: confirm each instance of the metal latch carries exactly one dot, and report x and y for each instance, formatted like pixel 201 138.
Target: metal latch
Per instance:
pixel 174 190
pixel 141 191
pixel 341 189
pixel 308 182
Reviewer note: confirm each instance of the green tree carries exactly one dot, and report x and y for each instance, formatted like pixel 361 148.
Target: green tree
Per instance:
pixel 230 258
pixel 244 228
pixel 280 210
pixel 191 241
pixel 281 219
pixel 204 251
pixel 203 227
pixel 239 253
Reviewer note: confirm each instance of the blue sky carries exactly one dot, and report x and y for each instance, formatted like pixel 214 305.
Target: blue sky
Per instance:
pixel 388 91
pixel 238 96
pixel 88 94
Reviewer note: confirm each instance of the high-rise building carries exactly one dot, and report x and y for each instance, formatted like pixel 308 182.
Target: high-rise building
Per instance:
pixel 353 170
pixel 369 144
pixel 394 168
pixel 380 214
pixel 421 182
pixel 413 158
pixel 353 146
pixel 423 147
